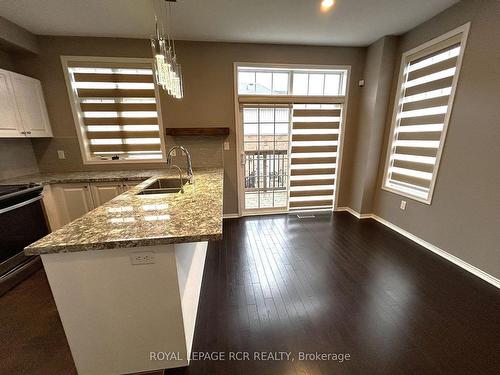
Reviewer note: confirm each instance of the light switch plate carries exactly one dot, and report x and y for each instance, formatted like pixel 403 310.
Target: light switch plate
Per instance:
pixel 144 257
pixel 403 205
pixel 226 146
pixel 60 154
pixel 361 82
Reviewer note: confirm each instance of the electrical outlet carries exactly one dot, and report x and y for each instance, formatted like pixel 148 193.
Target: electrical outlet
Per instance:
pixel 361 82
pixel 403 205
pixel 146 257
pixel 226 146
pixel 60 154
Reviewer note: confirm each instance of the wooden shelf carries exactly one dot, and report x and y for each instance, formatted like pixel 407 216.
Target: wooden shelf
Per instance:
pixel 197 131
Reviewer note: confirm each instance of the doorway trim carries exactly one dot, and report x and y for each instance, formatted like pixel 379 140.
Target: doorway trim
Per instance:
pixel 285 99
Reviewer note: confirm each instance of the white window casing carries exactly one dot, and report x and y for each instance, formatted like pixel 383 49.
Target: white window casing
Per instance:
pixel 422 108
pixel 116 109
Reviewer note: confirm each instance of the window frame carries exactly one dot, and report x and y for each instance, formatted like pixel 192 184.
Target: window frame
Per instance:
pixel 78 116
pixel 405 60
pixel 242 99
pixel 291 69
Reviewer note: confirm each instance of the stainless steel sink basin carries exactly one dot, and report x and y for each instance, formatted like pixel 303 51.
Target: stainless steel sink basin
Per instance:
pixel 164 186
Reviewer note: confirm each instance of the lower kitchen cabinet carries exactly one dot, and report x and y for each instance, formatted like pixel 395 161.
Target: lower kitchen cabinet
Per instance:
pixel 72 201
pixel 67 202
pixel 105 191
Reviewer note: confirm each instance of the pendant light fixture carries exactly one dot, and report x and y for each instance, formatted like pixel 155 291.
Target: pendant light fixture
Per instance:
pixel 167 71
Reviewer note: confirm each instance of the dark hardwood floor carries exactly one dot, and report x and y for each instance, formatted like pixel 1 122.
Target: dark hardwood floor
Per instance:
pixel 280 284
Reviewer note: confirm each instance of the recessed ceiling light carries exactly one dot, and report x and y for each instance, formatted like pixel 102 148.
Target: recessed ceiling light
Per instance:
pixel 326 5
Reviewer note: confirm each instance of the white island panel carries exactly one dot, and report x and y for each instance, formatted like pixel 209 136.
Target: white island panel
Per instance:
pixel 190 265
pixel 115 314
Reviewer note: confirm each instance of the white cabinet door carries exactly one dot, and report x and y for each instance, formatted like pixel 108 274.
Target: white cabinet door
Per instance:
pixel 105 191
pixel 73 201
pixel 52 208
pixel 67 202
pixel 32 110
pixel 10 123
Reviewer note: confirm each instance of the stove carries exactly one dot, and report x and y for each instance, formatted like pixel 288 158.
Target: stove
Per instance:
pixel 22 222
pixel 11 191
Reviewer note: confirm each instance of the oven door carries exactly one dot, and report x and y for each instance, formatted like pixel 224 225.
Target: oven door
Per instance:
pixel 22 222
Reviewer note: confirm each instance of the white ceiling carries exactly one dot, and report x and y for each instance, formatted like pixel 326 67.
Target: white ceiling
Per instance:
pixel 350 22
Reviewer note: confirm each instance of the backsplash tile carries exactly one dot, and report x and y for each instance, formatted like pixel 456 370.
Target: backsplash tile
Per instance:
pixel 205 152
pixel 16 158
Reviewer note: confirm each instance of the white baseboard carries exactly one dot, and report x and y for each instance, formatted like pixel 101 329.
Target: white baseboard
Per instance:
pixel 263 213
pixel 230 216
pixel 444 254
pixel 354 213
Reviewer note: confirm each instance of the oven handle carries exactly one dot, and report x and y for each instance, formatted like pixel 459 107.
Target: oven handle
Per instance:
pixel 25 203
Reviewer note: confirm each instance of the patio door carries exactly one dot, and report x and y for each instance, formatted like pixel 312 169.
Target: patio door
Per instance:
pixel 265 157
pixel 289 129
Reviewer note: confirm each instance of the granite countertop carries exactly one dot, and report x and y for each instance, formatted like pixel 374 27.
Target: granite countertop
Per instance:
pixel 131 220
pixel 91 176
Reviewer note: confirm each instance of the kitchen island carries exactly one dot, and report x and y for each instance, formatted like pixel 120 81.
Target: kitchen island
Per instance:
pixel 126 277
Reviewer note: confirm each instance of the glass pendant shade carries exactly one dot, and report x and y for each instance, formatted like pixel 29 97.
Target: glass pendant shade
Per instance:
pixel 167 72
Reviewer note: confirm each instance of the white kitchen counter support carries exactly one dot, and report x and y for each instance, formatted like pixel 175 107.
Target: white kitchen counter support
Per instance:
pixel 115 314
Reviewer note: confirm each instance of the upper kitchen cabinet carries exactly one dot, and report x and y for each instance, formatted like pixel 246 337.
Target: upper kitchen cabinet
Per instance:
pixel 22 108
pixel 9 116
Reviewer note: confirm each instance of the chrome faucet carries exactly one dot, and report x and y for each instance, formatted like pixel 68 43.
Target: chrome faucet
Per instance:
pixel 180 176
pixel 188 160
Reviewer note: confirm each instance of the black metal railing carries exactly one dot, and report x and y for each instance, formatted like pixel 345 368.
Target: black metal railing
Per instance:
pixel 266 170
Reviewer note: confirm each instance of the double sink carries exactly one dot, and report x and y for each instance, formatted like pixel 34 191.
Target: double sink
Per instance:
pixel 164 186
pixel 171 185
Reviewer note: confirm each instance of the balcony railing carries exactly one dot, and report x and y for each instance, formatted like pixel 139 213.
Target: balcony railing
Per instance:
pixel 266 170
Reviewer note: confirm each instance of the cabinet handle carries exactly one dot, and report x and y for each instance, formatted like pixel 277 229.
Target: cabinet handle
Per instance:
pixel 23 132
pixel 28 132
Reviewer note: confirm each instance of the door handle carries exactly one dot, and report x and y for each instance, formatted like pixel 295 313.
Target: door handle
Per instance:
pixel 242 158
pixel 25 203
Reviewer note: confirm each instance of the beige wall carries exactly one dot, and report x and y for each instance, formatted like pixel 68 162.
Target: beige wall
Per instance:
pixel 208 101
pixel 15 36
pixel 16 158
pixel 368 134
pixel 6 61
pixel 464 217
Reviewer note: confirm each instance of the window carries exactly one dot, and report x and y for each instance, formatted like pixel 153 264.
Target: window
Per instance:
pixel 291 81
pixel 263 82
pixel 422 109
pixel 115 107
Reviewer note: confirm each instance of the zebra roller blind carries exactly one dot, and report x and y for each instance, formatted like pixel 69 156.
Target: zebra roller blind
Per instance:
pixel 314 151
pixel 116 109
pixel 423 105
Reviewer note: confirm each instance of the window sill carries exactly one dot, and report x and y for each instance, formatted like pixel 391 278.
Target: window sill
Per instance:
pixel 111 162
pixel 406 195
